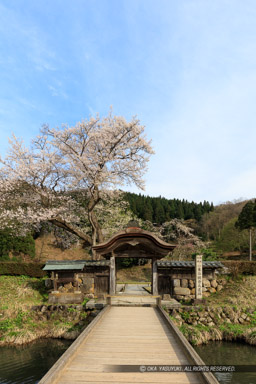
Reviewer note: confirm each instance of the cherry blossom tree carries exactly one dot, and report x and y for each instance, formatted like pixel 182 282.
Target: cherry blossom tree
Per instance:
pixel 68 171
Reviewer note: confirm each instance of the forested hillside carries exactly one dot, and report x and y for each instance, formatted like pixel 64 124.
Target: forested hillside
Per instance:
pixel 159 209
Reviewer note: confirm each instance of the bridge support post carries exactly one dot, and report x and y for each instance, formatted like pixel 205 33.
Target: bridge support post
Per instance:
pixel 158 301
pixel 112 275
pixel 154 277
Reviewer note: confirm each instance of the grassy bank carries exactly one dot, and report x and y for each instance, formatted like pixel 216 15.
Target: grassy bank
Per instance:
pixel 227 315
pixel 20 323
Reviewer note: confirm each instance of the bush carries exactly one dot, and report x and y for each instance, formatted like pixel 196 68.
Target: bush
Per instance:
pixel 19 268
pixel 127 262
pixel 19 244
pixel 207 253
pixel 240 267
pixel 231 238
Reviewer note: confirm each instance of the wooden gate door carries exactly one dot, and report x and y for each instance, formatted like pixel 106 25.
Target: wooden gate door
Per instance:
pixel 101 285
pixel 164 285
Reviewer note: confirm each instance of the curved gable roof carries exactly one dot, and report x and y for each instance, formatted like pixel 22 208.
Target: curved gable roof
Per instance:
pixel 134 237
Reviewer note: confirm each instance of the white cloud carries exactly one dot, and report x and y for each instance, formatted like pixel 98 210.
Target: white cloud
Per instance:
pixel 57 91
pixel 187 69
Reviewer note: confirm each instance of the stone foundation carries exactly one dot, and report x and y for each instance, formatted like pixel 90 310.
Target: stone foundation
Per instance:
pixel 184 289
pixel 211 316
pixel 71 312
pixel 66 298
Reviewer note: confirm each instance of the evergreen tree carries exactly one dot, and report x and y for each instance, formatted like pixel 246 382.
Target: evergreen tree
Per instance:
pixel 179 210
pixel 246 220
pixel 198 212
pixel 160 209
pixel 171 209
pixel 148 212
pixel 159 214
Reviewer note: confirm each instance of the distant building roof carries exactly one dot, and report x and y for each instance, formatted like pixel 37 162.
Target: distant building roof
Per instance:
pixel 188 264
pixel 65 265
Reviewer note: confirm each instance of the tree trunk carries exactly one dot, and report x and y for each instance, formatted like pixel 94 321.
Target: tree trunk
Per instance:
pixel 72 229
pixel 97 235
pixel 250 252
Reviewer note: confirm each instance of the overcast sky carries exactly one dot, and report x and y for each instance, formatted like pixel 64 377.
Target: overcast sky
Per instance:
pixel 186 68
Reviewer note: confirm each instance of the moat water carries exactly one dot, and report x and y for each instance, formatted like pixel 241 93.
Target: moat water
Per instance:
pixel 230 353
pixel 28 364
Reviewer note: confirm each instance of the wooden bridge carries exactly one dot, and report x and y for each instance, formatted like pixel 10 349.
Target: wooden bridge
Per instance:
pixel 121 337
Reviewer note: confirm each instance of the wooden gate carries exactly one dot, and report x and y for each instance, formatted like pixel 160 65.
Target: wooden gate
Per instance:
pixel 101 285
pixel 164 285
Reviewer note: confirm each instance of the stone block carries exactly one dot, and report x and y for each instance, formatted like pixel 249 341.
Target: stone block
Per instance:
pixel 214 283
pixel 48 283
pixel 66 298
pixel 176 282
pixel 191 284
pixel 184 283
pixel 181 291
pixel 88 283
pixel 211 290
pixel 206 283
pixel 179 297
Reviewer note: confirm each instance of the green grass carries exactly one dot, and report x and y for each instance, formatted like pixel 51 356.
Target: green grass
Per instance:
pixel 19 324
pixel 232 329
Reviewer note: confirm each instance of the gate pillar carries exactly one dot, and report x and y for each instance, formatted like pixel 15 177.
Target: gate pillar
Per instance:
pixel 154 277
pixel 112 276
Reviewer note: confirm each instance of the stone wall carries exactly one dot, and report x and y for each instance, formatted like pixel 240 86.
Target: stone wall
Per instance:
pixel 184 289
pixel 211 316
pixel 85 285
pixel 71 313
pixel 201 324
pixel 66 297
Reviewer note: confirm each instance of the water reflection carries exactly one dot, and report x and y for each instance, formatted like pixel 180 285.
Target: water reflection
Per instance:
pixel 28 364
pixel 230 353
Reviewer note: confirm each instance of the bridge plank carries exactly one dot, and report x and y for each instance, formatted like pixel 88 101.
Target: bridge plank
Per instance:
pixel 127 336
pixel 130 377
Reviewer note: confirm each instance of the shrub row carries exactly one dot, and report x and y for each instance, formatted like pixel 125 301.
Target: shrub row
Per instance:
pixel 17 244
pixel 19 268
pixel 240 267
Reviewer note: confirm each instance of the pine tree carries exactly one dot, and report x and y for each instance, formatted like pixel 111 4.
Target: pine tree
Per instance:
pixel 160 209
pixel 246 220
pixel 179 210
pixel 148 212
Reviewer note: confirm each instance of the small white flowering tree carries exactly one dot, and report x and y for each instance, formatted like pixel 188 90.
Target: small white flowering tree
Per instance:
pixel 67 172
